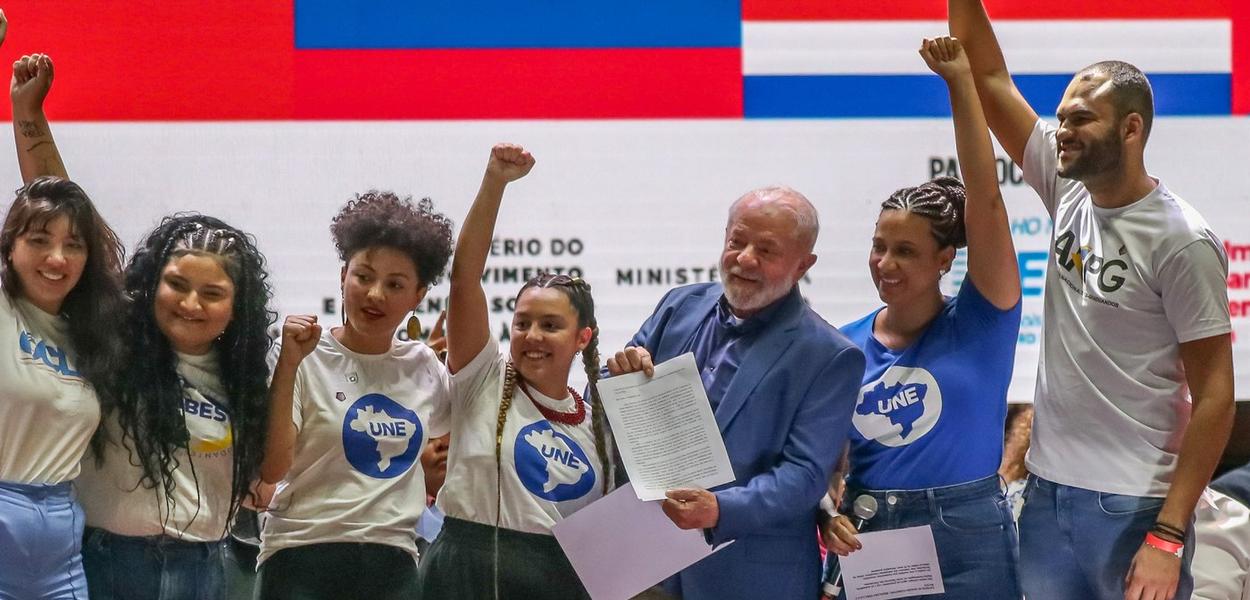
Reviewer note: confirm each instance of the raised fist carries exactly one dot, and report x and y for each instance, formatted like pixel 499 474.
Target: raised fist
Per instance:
pixel 945 56
pixel 509 162
pixel 300 334
pixel 32 78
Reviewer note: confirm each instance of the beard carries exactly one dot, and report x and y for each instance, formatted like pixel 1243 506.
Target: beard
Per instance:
pixel 750 298
pixel 1099 156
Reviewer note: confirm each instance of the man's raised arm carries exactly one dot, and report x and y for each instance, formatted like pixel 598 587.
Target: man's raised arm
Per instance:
pixel 1009 115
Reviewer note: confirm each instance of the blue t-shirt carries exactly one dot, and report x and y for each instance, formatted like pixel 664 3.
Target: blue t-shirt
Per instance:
pixel 931 415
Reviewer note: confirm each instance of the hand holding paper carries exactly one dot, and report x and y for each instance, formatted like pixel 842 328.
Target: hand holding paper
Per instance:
pixel 692 509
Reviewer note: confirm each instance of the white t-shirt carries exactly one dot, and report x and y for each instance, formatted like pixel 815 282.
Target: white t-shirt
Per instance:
pixel 549 470
pixel 362 420
pixel 1125 287
pixel 1221 564
pixel 115 501
pixel 48 412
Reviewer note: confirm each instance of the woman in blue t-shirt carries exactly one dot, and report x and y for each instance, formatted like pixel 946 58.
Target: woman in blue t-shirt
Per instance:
pixel 928 428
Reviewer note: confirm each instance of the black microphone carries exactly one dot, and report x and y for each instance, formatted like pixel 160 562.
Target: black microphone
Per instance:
pixel 864 509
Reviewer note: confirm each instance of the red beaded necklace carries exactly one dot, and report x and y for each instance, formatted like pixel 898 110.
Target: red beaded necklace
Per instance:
pixel 571 418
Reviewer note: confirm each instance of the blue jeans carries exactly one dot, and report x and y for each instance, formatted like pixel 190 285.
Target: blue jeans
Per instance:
pixel 972 527
pixel 1078 543
pixel 40 542
pixel 153 568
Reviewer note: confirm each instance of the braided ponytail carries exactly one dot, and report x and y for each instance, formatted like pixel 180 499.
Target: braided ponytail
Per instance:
pixel 590 360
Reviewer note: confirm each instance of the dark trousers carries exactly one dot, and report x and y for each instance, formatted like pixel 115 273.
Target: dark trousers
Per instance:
pixel 158 567
pixel 461 565
pixel 337 572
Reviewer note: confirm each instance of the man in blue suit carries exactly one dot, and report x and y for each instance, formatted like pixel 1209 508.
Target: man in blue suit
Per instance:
pixel 782 384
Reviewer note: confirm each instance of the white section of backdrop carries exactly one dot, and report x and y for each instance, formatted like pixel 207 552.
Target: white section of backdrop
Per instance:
pixel 636 206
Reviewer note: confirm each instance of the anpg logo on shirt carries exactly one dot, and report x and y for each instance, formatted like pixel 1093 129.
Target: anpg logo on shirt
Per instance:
pixel 899 408
pixel 550 464
pixel 381 438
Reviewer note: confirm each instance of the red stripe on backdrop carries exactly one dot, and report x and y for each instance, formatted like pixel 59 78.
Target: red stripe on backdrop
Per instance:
pixel 1241 58
pixel 518 84
pixel 228 59
pixel 834 10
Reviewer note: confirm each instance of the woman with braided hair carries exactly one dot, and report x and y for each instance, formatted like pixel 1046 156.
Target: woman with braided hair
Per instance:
pixel 352 407
pixel 187 438
pixel 927 435
pixel 526 451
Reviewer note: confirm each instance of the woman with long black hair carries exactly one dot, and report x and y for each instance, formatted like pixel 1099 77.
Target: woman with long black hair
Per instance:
pixel 188 437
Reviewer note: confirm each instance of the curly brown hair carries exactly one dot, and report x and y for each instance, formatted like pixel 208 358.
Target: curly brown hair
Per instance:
pixel 382 219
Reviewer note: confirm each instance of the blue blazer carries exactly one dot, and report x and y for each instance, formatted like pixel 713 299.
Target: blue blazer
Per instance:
pixel 784 418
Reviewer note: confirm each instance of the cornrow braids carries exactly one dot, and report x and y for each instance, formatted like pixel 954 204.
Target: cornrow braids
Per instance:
pixel 941 201
pixel 150 389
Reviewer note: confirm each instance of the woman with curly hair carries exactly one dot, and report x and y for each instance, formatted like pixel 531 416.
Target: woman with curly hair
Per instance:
pixel 927 438
pixel 188 436
pixel 352 407
pixel 525 451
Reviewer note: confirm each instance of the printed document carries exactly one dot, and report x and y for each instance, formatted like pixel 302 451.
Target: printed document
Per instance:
pixel 665 430
pixel 893 564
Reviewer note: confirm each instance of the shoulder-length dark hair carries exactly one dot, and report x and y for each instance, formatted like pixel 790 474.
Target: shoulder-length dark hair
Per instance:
pixel 151 392
pixel 91 308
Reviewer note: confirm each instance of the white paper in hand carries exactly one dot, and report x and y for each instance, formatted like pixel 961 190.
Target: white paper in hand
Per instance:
pixel 899 563
pixel 665 430
pixel 621 546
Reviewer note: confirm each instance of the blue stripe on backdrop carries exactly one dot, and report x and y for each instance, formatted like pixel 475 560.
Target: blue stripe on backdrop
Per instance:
pixel 853 96
pixel 396 24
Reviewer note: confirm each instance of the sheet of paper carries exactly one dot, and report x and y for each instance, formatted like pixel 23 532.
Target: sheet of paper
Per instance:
pixel 621 546
pixel 893 564
pixel 665 430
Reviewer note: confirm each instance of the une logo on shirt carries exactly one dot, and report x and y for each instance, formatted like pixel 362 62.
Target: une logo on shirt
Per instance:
pixel 550 464
pixel 898 408
pixel 381 438
pixel 42 352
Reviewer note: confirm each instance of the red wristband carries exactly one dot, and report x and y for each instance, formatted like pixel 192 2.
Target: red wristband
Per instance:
pixel 1159 543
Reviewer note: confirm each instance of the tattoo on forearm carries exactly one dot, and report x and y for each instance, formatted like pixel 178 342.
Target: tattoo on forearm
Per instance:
pixel 31 148
pixel 29 129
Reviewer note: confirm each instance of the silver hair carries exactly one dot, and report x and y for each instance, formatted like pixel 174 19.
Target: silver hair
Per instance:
pixel 805 215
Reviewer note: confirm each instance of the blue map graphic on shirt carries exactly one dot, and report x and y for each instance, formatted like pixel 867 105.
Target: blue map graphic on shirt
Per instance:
pixel 381 438
pixel 901 403
pixel 550 464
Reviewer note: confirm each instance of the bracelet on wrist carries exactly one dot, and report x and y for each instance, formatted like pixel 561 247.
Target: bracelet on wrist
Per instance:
pixel 1159 543
pixel 1168 533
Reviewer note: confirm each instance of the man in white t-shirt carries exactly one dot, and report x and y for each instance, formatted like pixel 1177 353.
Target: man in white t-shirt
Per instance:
pixel 1134 395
